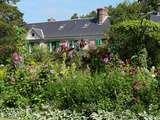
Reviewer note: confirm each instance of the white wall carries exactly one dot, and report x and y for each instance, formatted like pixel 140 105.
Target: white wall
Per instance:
pixel 30 37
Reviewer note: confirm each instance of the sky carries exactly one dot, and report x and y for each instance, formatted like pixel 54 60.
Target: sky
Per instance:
pixel 41 10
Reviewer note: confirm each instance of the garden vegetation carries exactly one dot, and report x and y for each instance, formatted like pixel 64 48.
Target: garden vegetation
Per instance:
pixel 118 80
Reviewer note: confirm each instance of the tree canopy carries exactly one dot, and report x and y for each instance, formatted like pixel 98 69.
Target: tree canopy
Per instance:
pixel 10 20
pixel 75 16
pixel 11 15
pixel 9 1
pixel 131 36
pixel 91 14
pixel 150 4
pixel 125 11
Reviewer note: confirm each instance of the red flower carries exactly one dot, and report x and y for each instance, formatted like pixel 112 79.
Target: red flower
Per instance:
pixel 128 61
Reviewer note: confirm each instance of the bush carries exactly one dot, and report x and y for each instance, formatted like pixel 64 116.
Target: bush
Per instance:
pixel 130 37
pixel 117 87
pixel 7 36
pixel 28 114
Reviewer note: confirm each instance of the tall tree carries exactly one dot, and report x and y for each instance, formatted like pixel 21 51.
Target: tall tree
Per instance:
pixel 91 14
pixel 150 4
pixel 125 11
pixel 9 1
pixel 10 14
pixel 10 21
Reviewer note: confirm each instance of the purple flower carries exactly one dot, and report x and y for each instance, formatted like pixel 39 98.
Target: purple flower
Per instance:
pixel 105 60
pixel 111 55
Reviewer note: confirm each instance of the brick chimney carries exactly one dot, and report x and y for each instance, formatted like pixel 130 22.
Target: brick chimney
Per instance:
pixel 51 20
pixel 102 14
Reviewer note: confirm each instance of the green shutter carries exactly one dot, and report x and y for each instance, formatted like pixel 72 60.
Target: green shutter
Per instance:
pixel 50 46
pixel 98 42
pixel 71 44
pixel 57 44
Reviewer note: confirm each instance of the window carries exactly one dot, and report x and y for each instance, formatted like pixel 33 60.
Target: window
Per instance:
pixel 33 34
pixel 86 25
pixel 61 27
pixel 71 44
pixel 99 42
pixel 57 44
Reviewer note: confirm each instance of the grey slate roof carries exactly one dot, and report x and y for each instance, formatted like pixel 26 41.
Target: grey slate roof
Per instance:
pixel 155 18
pixel 72 28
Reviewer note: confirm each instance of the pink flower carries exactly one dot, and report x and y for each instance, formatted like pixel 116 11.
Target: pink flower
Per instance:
pixel 16 58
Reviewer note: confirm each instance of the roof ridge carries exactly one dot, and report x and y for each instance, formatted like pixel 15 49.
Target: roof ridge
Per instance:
pixel 36 28
pixel 64 20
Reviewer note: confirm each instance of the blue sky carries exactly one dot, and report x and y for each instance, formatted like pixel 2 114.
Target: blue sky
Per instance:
pixel 41 10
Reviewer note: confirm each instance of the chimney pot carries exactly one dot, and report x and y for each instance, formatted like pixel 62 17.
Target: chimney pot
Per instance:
pixel 51 20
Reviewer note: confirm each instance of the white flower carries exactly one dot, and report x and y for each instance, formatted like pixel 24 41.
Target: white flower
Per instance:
pixel 1 65
pixel 153 68
pixel 153 75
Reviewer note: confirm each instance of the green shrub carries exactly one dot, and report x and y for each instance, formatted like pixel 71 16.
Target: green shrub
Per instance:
pixel 130 37
pixel 117 88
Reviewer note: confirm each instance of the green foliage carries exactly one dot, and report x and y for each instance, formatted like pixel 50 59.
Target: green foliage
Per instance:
pixel 95 59
pixel 9 1
pixel 11 36
pixel 150 4
pixel 75 16
pixel 6 45
pixel 91 14
pixel 10 15
pixel 43 81
pixel 40 54
pixel 83 85
pixel 27 114
pixel 64 87
pixel 48 114
pixel 130 37
pixel 125 11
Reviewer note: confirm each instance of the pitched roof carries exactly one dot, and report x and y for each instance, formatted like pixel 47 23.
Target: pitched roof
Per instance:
pixel 155 18
pixel 72 28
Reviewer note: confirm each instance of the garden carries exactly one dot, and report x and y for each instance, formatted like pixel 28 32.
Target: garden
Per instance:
pixel 119 80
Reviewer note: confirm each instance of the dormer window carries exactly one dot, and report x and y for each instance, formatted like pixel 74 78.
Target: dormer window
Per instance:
pixel 86 25
pixel 33 34
pixel 61 27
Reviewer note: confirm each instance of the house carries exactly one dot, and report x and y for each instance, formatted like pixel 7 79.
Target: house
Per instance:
pixel 58 35
pixel 156 17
